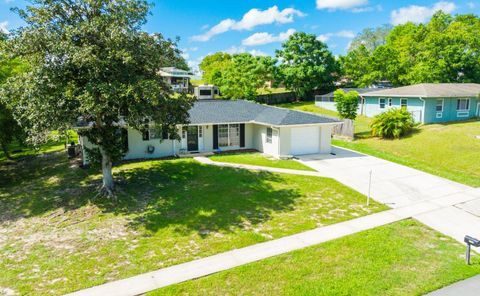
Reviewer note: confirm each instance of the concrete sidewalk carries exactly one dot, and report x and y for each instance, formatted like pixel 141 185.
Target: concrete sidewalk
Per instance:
pixel 223 261
pixel 468 287
pixel 208 161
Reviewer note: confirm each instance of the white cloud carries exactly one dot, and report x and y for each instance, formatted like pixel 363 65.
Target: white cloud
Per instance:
pixel 340 4
pixel 220 28
pixel 367 9
pixel 3 27
pixel 242 49
pixel 265 38
pixel 341 34
pixel 257 52
pixel 419 14
pixel 250 20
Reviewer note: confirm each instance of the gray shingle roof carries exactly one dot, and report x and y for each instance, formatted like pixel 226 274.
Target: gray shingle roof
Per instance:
pixel 237 111
pixel 430 90
pixel 349 89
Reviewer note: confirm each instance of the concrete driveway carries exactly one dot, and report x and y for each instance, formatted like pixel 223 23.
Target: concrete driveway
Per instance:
pixel 399 186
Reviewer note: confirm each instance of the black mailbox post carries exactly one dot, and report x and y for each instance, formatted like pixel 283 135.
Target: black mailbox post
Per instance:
pixel 470 241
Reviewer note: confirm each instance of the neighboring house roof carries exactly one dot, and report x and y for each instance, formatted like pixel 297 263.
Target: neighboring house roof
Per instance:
pixel 174 72
pixel 238 111
pixel 430 90
pixel 347 90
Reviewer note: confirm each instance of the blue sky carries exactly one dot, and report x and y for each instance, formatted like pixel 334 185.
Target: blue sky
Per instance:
pixel 260 26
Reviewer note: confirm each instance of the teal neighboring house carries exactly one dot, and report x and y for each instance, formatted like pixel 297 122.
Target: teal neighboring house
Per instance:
pixel 428 102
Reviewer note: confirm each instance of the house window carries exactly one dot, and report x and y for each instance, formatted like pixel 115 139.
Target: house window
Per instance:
pixel 205 92
pixel 223 135
pixel 439 105
pixel 403 103
pixel 154 133
pixel 234 134
pixel 228 135
pixel 269 135
pixel 390 102
pixel 463 104
pixel 381 102
pixel 184 132
pixel 200 131
pixel 150 133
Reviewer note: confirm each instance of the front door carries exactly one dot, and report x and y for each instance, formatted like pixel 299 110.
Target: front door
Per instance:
pixel 478 109
pixel 192 138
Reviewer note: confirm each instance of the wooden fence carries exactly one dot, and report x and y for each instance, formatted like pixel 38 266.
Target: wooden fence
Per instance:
pixel 276 98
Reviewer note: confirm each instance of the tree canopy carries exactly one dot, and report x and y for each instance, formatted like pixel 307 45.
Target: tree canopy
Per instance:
pixel 306 64
pixel 446 49
pixel 91 60
pixel 9 127
pixel 213 65
pixel 238 76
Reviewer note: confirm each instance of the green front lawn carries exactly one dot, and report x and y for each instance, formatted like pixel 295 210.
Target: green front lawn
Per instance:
pixel 255 158
pixel 56 237
pixel 404 258
pixel 447 150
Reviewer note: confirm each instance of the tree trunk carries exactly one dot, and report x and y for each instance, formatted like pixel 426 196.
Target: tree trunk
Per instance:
pixel 108 185
pixel 5 151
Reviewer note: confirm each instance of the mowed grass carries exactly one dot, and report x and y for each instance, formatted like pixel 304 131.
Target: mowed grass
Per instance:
pixel 54 143
pixel 404 258
pixel 361 123
pixel 255 158
pixel 56 237
pixel 449 150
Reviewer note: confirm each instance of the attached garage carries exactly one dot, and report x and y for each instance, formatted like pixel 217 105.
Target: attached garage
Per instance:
pixel 305 140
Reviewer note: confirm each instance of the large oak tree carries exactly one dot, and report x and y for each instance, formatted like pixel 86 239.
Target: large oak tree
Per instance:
pixel 306 64
pixel 90 59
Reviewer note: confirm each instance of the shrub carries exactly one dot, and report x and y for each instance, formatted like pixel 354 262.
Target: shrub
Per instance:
pixel 393 123
pixel 347 103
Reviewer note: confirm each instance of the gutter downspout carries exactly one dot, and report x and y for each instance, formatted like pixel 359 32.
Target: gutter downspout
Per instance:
pixel 278 140
pixel 363 104
pixel 423 111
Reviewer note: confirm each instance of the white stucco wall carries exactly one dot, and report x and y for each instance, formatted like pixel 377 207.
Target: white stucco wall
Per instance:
pixel 255 138
pixel 260 140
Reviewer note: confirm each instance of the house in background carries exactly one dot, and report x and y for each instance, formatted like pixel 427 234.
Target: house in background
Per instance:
pixel 428 102
pixel 223 125
pixel 327 101
pixel 178 79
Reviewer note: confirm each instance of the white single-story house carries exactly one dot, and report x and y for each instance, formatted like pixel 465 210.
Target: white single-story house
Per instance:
pixel 223 125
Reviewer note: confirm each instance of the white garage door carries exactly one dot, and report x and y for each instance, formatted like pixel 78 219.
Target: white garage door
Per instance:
pixel 305 140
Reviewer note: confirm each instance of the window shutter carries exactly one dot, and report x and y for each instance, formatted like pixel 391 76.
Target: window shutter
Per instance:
pixel 215 137
pixel 165 134
pixel 146 135
pixel 242 135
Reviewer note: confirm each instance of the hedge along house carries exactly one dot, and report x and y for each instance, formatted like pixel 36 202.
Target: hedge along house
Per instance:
pixel 428 102
pixel 223 125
